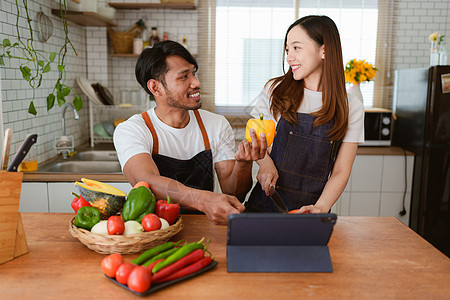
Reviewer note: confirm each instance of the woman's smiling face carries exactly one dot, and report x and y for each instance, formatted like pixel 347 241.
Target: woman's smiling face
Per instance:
pixel 304 57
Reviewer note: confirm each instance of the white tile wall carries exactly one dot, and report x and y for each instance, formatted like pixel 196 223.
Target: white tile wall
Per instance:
pixel 16 93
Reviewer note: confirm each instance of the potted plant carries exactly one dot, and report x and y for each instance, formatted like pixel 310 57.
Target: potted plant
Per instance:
pixel 35 63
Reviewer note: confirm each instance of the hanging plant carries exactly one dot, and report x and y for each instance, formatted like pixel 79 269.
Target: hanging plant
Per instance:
pixel 35 63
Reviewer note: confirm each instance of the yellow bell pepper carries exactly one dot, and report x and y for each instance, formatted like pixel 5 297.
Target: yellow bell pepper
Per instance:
pixel 261 126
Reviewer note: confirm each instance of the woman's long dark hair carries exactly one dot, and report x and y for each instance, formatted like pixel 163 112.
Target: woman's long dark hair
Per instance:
pixel 287 93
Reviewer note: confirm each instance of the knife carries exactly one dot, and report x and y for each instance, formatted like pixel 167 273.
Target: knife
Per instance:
pixel 6 148
pixel 22 152
pixel 277 200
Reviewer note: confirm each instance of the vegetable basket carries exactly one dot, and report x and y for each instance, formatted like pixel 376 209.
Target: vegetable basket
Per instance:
pixel 135 243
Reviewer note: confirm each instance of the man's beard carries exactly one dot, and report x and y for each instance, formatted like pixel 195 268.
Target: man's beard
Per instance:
pixel 172 101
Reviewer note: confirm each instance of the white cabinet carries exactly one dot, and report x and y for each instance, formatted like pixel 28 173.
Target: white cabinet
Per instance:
pixel 54 196
pixel 377 187
pixel 34 197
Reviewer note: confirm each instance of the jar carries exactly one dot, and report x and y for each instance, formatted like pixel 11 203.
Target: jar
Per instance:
pixel 138 45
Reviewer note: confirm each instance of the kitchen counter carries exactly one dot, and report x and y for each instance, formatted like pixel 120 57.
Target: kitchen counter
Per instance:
pixel 68 177
pixel 372 257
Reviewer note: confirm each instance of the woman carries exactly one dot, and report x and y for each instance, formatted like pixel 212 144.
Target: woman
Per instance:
pixel 318 126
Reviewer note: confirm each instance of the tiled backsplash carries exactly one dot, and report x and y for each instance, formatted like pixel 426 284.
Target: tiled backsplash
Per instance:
pixel 414 20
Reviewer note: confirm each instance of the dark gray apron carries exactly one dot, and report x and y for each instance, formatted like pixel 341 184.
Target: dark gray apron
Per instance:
pixel 304 158
pixel 196 172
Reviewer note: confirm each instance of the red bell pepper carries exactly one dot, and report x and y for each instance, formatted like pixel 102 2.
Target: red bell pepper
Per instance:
pixel 168 211
pixel 78 202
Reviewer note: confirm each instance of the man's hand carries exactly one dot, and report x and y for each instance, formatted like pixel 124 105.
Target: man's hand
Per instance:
pixel 248 152
pixel 219 206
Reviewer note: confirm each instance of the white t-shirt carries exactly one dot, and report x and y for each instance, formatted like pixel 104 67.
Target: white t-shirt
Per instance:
pixel 312 102
pixel 133 137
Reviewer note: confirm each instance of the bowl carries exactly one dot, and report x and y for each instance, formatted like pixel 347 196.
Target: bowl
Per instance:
pixel 107 12
pixel 100 130
pixel 109 127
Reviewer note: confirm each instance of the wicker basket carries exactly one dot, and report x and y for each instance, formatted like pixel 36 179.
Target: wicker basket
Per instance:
pixel 107 244
pixel 122 41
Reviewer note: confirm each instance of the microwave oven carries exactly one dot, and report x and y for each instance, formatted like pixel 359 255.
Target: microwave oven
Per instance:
pixel 377 127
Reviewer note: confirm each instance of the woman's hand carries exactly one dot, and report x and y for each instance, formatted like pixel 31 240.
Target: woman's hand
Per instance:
pixel 309 209
pixel 268 174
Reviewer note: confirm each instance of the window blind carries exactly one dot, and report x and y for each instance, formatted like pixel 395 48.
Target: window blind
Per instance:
pixel 241 46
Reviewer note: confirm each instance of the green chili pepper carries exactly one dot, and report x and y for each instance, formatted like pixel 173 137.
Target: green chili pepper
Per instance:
pixel 87 217
pixel 160 256
pixel 180 253
pixel 152 252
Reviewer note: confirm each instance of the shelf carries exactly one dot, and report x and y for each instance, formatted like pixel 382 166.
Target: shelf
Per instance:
pixel 123 55
pixel 85 18
pixel 152 5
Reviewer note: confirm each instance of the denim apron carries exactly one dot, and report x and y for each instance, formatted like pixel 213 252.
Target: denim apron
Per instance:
pixel 304 158
pixel 196 172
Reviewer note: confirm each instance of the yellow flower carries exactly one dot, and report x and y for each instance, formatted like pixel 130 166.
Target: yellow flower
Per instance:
pixel 357 71
pixel 433 37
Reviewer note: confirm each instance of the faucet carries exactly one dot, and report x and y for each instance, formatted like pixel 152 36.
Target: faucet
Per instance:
pixel 63 119
pixel 65 145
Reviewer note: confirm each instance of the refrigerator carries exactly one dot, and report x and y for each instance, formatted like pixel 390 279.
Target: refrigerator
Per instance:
pixel 421 104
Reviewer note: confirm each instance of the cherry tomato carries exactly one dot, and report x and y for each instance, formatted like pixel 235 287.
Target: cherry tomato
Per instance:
pixel 124 271
pixel 141 183
pixel 115 225
pixel 111 263
pixel 151 222
pixel 139 279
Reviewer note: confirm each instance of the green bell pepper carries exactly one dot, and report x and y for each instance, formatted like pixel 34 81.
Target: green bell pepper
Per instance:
pixel 140 202
pixel 87 217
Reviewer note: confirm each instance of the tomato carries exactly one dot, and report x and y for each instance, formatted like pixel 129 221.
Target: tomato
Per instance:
pixel 111 263
pixel 115 225
pixel 151 222
pixel 139 279
pixel 141 183
pixel 124 271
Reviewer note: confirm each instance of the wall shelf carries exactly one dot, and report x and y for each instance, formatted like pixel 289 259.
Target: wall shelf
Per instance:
pixel 118 5
pixel 85 18
pixel 123 55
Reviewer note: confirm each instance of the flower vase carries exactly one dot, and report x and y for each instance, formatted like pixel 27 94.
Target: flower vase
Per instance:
pixel 356 91
pixel 434 53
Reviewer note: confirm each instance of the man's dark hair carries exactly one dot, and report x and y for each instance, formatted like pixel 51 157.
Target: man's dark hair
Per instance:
pixel 152 63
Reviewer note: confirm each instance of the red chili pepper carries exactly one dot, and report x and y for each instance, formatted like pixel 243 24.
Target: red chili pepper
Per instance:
pixel 187 260
pixel 78 202
pixel 192 268
pixel 150 266
pixel 168 211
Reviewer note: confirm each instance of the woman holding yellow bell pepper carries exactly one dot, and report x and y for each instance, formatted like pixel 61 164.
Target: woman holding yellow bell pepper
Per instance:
pixel 318 126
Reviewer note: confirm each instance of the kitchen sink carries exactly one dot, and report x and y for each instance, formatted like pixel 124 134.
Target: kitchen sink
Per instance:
pixel 85 161
pixel 94 155
pixel 81 166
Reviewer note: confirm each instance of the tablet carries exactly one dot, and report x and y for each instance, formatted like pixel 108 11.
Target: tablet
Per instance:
pixel 274 242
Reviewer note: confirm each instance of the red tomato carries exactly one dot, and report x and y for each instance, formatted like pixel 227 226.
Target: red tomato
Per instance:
pixel 115 225
pixel 151 222
pixel 111 263
pixel 141 183
pixel 139 279
pixel 124 271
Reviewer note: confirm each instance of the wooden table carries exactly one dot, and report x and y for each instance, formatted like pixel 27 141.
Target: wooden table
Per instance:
pixel 372 257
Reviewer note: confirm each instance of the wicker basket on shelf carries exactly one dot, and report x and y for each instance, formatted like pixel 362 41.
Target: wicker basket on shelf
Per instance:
pixel 122 41
pixel 135 243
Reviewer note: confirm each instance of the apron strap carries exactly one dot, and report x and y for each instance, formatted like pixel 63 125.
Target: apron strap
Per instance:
pixel 149 124
pixel 203 130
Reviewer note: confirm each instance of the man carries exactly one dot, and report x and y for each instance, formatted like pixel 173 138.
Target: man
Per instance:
pixel 175 146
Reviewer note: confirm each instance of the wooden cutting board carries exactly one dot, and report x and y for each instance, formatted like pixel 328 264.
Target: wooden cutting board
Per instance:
pixel 12 235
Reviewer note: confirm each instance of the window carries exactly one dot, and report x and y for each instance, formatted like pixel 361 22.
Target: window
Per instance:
pixel 248 41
